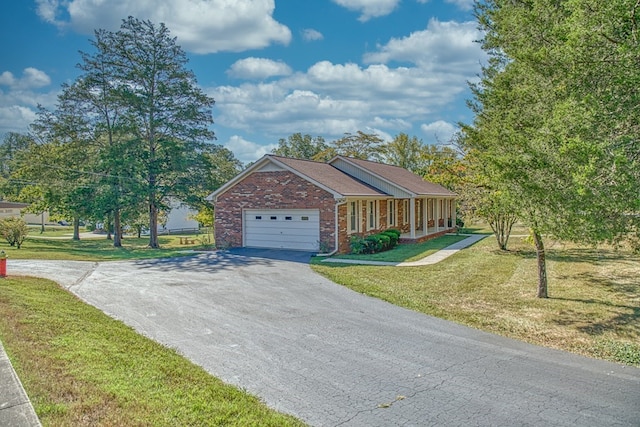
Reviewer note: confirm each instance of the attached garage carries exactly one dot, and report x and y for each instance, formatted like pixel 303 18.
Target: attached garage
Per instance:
pixel 297 229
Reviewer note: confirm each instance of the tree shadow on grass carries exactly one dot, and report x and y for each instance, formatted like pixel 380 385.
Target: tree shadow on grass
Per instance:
pixel 623 287
pixel 625 317
pixel 590 255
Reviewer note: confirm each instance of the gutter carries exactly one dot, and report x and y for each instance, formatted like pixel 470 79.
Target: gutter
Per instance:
pixel 339 202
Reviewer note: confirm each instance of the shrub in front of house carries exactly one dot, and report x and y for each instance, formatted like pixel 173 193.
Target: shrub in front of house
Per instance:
pixel 394 235
pixel 374 243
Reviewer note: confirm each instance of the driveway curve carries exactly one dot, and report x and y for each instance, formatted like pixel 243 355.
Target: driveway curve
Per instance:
pixel 264 321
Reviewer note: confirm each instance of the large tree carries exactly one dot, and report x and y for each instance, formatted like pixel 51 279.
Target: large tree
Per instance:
pixel 301 146
pixel 560 152
pixel 165 112
pixel 404 151
pixel 361 145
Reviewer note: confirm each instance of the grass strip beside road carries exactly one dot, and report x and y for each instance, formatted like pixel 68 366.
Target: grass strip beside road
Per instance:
pixel 83 368
pixel 593 309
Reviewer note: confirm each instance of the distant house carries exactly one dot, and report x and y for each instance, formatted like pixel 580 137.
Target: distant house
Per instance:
pixel 280 202
pixel 15 209
pixel 180 219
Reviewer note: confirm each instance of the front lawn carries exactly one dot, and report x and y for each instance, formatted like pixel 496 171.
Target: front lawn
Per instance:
pixel 82 368
pixel 593 309
pixel 100 249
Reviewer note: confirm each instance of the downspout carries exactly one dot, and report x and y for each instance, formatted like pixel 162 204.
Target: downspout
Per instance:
pixel 339 202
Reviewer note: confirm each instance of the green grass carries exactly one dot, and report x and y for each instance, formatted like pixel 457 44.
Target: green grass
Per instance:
pixel 100 249
pixel 593 309
pixel 408 252
pixel 52 231
pixel 82 368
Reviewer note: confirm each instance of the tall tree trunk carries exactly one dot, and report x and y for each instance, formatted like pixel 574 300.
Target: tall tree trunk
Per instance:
pixel 542 265
pixel 42 222
pixel 76 228
pixel 117 229
pixel 108 226
pixel 153 226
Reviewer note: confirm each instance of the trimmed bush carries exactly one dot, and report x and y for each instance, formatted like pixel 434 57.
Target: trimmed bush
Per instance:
pixel 374 243
pixel 393 238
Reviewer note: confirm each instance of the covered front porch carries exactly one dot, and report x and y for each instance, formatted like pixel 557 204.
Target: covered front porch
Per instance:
pixel 428 217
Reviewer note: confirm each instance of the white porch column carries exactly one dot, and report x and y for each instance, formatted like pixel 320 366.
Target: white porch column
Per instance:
pixel 425 215
pixel 453 212
pixel 412 218
pixel 436 219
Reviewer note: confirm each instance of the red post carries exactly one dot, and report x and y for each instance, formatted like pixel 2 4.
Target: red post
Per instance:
pixel 3 264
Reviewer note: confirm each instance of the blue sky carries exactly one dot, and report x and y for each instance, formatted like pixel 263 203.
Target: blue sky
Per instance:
pixel 274 68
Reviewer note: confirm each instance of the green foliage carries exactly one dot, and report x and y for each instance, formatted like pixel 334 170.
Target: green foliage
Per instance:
pixel 300 146
pixel 374 243
pixel 14 230
pixel 129 135
pixel 553 129
pixel 394 237
pixel 442 165
pixel 405 152
pixel 361 145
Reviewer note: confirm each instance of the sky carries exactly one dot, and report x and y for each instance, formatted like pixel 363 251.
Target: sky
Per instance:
pixel 273 67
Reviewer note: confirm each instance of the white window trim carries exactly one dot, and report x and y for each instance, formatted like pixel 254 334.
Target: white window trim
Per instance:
pixel 392 213
pixel 350 213
pixel 373 214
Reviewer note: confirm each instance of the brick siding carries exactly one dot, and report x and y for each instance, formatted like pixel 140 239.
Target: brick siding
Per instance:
pixel 272 190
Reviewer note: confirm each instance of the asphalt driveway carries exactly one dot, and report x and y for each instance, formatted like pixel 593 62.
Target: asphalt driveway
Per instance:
pixel 264 321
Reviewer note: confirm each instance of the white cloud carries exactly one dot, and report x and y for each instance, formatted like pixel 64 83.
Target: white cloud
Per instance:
pixel 32 78
pixel 258 68
pixel 247 151
pixel 309 34
pixel 330 99
pixel 202 26
pixel 369 8
pixel 15 118
pixel 22 95
pixel 462 4
pixel 442 46
pixel 439 132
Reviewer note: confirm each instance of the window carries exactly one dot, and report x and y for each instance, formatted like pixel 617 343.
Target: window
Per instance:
pixel 274 218
pixel 353 216
pixel 372 214
pixel 288 218
pixel 305 218
pixel 258 216
pixel 391 213
pixel 405 211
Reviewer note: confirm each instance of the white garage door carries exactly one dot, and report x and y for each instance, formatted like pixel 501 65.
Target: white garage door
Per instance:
pixel 282 229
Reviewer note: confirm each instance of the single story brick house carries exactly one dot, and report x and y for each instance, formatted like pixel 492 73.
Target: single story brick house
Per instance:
pixel 286 203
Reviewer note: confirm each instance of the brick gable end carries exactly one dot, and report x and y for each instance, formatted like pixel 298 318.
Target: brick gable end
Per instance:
pixel 271 190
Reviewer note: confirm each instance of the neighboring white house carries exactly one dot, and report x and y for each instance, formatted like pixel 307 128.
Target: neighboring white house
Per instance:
pixel 179 219
pixel 15 209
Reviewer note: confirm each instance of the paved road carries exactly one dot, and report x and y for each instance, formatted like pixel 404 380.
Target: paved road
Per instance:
pixel 262 320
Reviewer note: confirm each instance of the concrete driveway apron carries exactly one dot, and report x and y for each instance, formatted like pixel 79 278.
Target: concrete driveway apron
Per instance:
pixel 264 321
